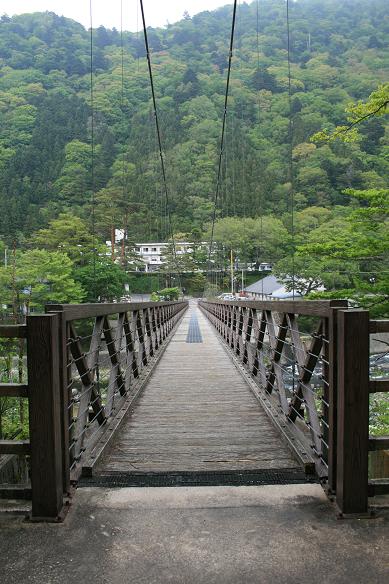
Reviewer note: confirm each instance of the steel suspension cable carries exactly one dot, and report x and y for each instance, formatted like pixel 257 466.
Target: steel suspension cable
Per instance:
pixel 157 125
pixel 219 173
pixel 290 150
pixel 125 226
pixel 93 181
pixel 259 120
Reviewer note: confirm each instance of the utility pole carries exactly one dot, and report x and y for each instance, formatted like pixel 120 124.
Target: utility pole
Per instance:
pixel 232 272
pixel 242 279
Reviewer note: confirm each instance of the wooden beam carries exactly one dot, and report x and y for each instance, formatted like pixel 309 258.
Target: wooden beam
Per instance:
pixel 78 311
pixel 13 390
pixel 307 307
pixel 378 487
pixel 378 385
pixel 14 331
pixel 353 411
pixel 15 492
pixel 378 443
pixel 14 447
pixel 379 326
pixel 45 415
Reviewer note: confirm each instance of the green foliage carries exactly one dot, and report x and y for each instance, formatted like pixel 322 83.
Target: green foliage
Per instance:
pixel 263 239
pixel 102 280
pixel 337 57
pixel 379 415
pixel 195 284
pixel 167 294
pixel 376 105
pixel 39 277
pixel 347 253
pixel 69 234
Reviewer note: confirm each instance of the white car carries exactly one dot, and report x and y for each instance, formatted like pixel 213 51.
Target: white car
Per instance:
pixel 227 297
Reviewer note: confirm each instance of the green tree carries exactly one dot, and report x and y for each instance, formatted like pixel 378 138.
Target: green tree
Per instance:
pixel 45 276
pixel 376 105
pixel 102 280
pixel 349 253
pixel 71 235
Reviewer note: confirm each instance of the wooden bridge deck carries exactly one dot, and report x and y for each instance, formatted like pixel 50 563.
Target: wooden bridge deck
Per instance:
pixel 197 413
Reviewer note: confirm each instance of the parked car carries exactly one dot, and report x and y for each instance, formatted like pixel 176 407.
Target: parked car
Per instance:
pixel 226 297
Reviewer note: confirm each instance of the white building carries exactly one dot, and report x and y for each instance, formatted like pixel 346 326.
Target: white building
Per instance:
pixel 153 254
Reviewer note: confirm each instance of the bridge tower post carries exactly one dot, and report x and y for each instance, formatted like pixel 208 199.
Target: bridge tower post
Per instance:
pixel 352 411
pixel 43 363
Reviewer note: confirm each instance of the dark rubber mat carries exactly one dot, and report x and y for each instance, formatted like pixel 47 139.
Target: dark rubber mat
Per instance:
pixel 200 479
pixel 194 333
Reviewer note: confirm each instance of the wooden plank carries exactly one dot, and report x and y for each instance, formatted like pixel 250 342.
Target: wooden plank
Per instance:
pixel 379 326
pixel 306 361
pixel 80 311
pixel 378 385
pixel 14 331
pixel 15 492
pixel 14 447
pixel 320 308
pixel 197 413
pixel 13 390
pixel 66 399
pixel 353 411
pixel 87 369
pixel 105 436
pixel 378 487
pixel 116 380
pixel 378 443
pixel 330 370
pixel 45 416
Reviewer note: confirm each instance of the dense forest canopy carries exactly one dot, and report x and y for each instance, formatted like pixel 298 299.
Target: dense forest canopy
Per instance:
pixel 338 55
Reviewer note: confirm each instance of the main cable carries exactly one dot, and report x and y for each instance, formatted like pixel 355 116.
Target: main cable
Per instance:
pixel 219 173
pixel 290 152
pixel 93 185
pixel 124 181
pixel 148 55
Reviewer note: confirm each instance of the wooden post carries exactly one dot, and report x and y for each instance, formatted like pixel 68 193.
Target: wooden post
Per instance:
pixel 45 416
pixel 331 395
pixel 353 411
pixel 65 380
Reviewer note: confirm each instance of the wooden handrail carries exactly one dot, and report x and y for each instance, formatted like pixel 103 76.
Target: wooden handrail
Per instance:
pixel 320 308
pixel 13 331
pixel 79 311
pixel 13 390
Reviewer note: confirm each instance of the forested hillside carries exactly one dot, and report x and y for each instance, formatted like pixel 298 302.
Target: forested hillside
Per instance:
pixel 339 54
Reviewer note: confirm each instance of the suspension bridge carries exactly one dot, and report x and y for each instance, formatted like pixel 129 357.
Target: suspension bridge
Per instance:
pixel 211 395
pixel 261 408
pixel 207 393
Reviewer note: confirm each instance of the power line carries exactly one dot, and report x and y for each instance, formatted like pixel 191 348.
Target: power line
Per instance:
pixel 223 129
pixel 148 55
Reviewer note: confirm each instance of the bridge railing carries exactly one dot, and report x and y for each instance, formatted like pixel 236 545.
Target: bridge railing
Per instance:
pixel 39 373
pixel 308 362
pixel 86 364
pixel 379 393
pixel 13 392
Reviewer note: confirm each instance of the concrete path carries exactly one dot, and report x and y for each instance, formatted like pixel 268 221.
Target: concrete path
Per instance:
pixel 219 535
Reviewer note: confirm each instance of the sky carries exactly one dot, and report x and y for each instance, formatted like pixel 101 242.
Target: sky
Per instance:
pixel 157 12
